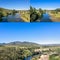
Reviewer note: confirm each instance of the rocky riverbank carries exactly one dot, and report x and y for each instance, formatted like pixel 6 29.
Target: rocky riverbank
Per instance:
pixel 44 57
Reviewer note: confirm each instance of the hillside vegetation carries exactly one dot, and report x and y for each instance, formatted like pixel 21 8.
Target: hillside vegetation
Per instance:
pixel 17 50
pixel 21 50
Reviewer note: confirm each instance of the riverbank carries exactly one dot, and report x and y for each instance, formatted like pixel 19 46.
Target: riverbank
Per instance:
pixel 44 57
pixel 45 18
pixel 7 15
pixel 41 57
pixel 25 15
pixel 55 17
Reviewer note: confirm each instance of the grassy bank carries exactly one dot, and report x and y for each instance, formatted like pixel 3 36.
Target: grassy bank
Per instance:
pixel 55 17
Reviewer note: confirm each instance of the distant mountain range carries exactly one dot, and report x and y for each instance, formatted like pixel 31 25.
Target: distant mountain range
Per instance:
pixel 28 44
pixel 51 45
pixel 4 9
pixel 24 44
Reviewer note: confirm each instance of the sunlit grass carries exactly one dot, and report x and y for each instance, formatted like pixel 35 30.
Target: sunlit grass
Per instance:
pixel 52 57
pixel 25 16
pixel 55 15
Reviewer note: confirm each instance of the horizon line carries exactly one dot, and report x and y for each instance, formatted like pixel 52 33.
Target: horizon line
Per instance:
pixel 29 8
pixel 32 42
pixel 13 8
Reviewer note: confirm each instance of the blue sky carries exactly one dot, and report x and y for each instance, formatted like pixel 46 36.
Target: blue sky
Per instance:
pixel 45 4
pixel 42 33
pixel 25 4
pixel 15 4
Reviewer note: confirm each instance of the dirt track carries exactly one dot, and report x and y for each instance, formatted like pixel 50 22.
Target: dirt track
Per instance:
pixel 44 57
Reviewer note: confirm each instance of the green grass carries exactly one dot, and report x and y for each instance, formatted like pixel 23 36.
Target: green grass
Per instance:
pixel 53 57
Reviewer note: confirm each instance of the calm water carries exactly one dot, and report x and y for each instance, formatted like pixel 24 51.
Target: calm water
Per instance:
pixel 12 18
pixel 28 58
pixel 46 18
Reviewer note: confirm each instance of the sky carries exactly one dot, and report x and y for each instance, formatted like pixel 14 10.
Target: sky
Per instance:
pixel 45 4
pixel 25 4
pixel 41 33
pixel 15 4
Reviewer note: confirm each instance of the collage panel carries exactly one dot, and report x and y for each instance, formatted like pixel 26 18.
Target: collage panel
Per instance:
pixel 29 11
pixel 44 11
pixel 30 41
pixel 20 39
pixel 14 11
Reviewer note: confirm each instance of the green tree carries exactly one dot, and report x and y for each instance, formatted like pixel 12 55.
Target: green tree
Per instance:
pixel 1 15
pixel 13 12
pixel 27 53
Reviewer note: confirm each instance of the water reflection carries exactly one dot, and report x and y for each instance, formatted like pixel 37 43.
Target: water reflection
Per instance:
pixel 46 18
pixel 28 58
pixel 4 19
pixel 12 18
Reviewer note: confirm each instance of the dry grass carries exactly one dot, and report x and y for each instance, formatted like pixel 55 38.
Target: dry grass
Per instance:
pixel 55 17
pixel 25 16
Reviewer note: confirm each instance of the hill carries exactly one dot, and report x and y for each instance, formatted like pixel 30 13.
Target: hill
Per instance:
pixel 22 44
